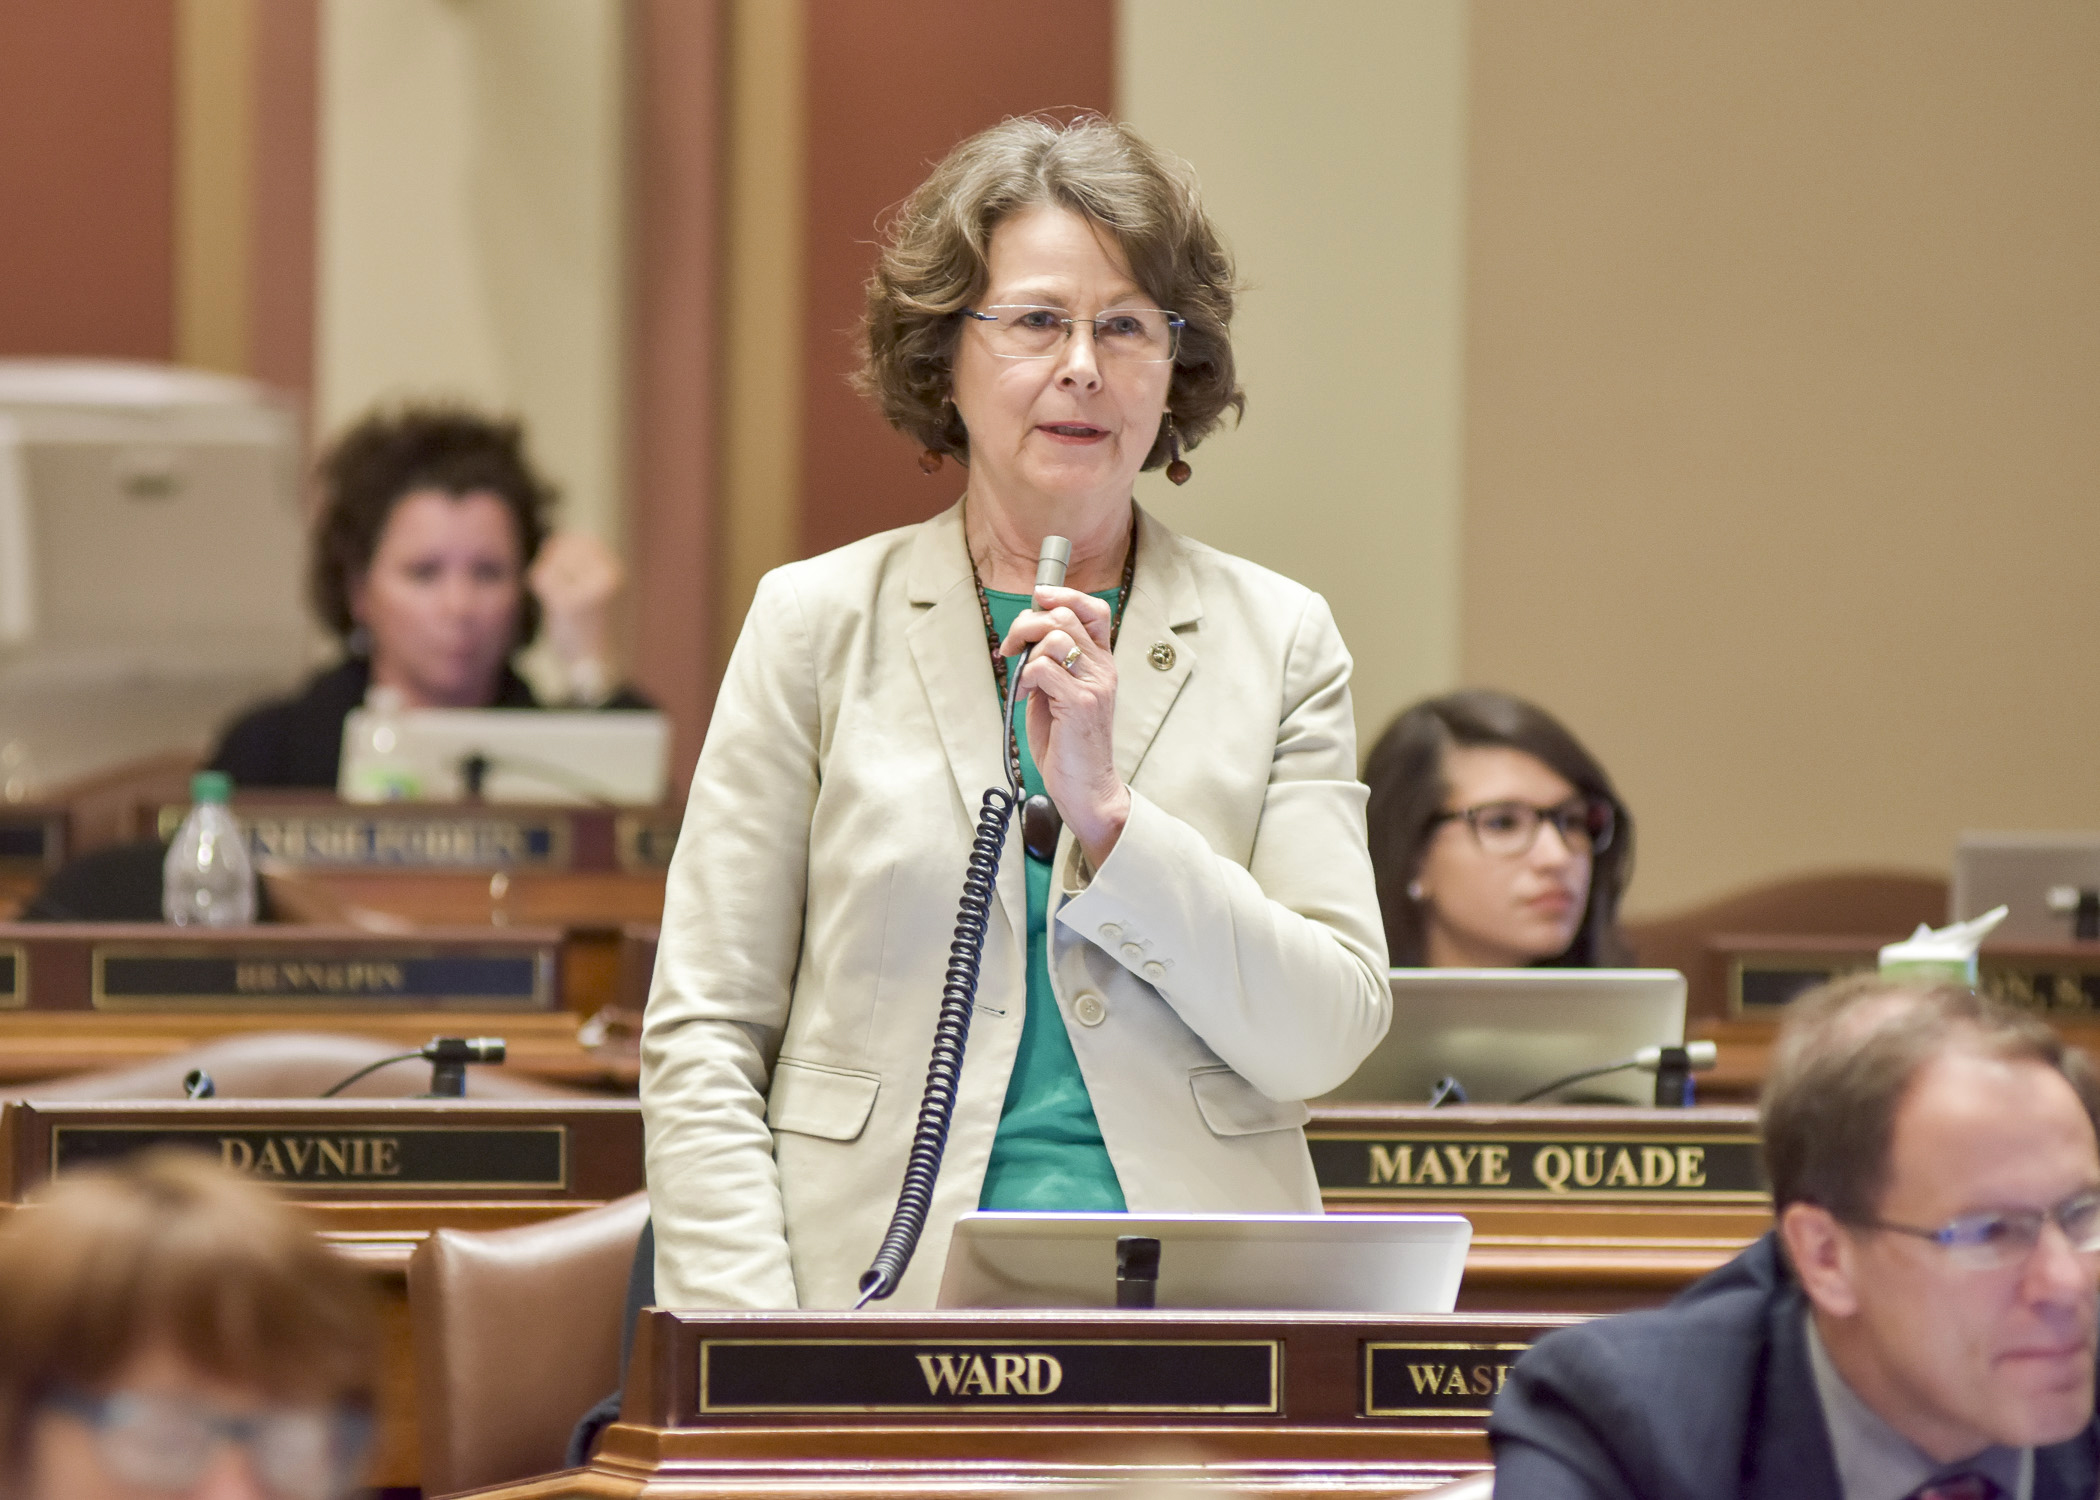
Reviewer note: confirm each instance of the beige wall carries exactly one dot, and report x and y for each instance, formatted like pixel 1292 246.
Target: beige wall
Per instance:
pixel 1783 417
pixel 472 222
pixel 1330 140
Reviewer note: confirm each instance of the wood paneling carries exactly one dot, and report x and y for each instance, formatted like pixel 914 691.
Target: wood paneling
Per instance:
pixel 87 142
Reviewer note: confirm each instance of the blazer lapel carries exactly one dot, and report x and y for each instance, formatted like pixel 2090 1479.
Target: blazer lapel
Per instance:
pixel 1156 648
pixel 948 648
pixel 1790 1456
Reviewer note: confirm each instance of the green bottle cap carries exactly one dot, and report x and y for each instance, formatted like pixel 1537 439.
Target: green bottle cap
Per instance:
pixel 211 786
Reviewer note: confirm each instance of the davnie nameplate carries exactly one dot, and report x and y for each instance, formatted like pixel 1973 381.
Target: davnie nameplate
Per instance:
pixel 1515 1163
pixel 786 1376
pixel 408 1158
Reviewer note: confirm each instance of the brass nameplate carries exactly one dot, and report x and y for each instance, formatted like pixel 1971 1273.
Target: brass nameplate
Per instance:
pixel 2057 985
pixel 1425 1165
pixel 394 841
pixel 134 977
pixel 643 842
pixel 1435 1380
pixel 401 1159
pixel 788 1376
pixel 14 976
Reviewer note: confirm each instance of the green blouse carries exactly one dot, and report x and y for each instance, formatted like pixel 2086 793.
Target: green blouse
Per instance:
pixel 1048 1153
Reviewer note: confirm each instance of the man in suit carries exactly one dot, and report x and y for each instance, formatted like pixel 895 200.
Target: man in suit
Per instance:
pixel 1920 1325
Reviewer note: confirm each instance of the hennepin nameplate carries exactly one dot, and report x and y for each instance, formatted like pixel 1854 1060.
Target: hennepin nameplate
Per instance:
pixel 789 1376
pixel 134 978
pixel 1435 1380
pixel 1422 1165
pixel 409 1158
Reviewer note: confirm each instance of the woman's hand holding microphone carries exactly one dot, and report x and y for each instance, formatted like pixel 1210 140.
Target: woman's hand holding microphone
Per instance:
pixel 1070 680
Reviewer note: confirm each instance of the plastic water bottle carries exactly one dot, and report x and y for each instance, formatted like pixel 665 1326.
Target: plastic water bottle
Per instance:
pixel 208 880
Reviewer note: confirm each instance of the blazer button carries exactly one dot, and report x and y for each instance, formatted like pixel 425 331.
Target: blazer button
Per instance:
pixel 1133 952
pixel 1090 1010
pixel 1110 931
pixel 1155 971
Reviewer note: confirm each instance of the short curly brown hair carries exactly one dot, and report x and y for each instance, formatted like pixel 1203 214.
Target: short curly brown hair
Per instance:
pixel 392 453
pixel 935 262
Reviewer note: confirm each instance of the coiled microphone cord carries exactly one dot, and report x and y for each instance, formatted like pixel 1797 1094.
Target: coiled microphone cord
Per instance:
pixel 951 1032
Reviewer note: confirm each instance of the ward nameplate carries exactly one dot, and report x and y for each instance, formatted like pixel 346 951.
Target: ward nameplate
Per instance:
pixel 408 975
pixel 387 1159
pixel 1563 1164
pixel 1435 1379
pixel 788 1376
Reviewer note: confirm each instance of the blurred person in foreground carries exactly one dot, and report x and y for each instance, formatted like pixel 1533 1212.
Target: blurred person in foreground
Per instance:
pixel 1498 839
pixel 1918 1326
pixel 433 562
pixel 170 1330
pixel 1183 944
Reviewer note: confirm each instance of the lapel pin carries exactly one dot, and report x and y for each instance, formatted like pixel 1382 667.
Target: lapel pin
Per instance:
pixel 1162 655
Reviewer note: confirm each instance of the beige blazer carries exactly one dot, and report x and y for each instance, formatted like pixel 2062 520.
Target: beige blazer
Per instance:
pixel 1226 962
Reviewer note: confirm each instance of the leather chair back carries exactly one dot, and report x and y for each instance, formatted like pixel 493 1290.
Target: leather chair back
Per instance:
pixel 284 1065
pixel 517 1334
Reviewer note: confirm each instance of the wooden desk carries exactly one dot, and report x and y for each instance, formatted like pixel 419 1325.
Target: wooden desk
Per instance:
pixel 1753 976
pixel 1574 1209
pixel 390 1174
pixel 983 1404
pixel 64 1007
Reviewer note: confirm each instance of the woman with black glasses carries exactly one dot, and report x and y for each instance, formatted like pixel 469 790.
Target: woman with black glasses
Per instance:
pixel 1498 840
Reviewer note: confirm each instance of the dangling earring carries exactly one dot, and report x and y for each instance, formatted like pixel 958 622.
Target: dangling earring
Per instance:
pixel 929 461
pixel 1178 469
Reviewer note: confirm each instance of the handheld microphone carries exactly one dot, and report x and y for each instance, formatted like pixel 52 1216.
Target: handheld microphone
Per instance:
pixel 951 1032
pixel 1051 562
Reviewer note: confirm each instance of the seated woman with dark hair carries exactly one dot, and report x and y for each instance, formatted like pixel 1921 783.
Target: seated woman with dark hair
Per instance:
pixel 433 562
pixel 1497 839
pixel 169 1329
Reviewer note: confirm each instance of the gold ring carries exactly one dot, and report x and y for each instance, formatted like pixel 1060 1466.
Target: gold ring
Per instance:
pixel 1071 657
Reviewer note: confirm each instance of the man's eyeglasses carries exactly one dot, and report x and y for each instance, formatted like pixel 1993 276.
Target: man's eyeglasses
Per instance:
pixel 1507 829
pixel 1132 335
pixel 2007 1236
pixel 164 1442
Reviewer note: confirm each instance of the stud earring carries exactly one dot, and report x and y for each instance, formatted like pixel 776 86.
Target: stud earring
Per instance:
pixel 1415 891
pixel 1178 470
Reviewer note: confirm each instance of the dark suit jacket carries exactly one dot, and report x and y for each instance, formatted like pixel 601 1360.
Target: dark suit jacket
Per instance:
pixel 1709 1398
pixel 299 741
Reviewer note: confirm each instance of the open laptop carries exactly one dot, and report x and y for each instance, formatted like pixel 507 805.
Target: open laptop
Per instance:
pixel 1365 1263
pixel 2039 876
pixel 604 756
pixel 1504 1032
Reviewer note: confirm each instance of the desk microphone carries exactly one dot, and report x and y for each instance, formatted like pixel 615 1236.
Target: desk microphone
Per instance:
pixel 448 1057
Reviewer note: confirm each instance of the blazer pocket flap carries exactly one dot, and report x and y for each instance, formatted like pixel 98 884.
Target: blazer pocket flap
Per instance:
pixel 1232 1106
pixel 811 1099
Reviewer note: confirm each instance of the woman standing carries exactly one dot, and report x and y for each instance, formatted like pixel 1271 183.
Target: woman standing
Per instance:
pixel 1190 944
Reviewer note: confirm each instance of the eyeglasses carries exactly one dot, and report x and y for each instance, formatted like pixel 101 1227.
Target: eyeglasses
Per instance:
pixel 2005 1237
pixel 1132 335
pixel 162 1442
pixel 1507 829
